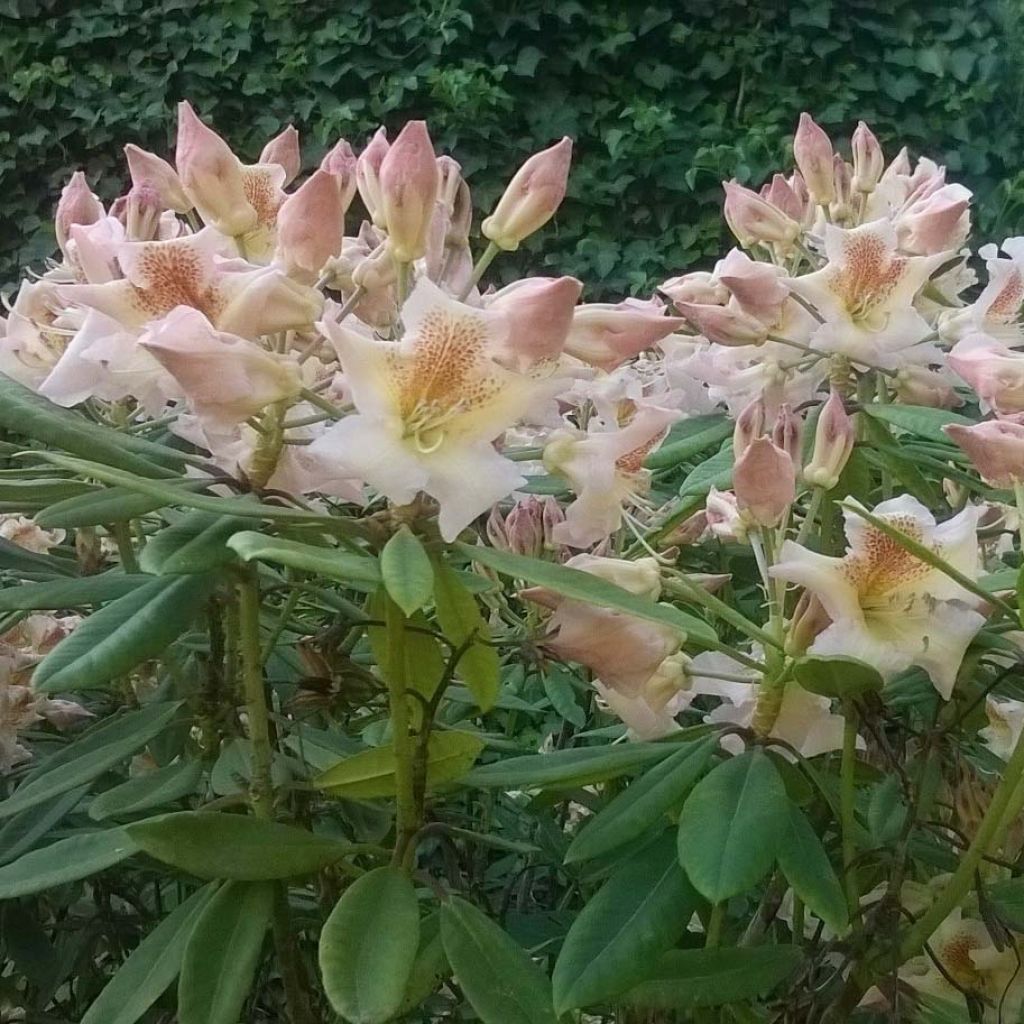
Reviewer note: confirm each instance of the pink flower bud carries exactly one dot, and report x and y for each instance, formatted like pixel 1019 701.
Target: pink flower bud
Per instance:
pixel 699 287
pixel 148 169
pixel 689 531
pixel 724 325
pixel 538 312
pixel 552 515
pixel 341 162
pixel 787 433
pixel 764 479
pixel 833 442
pixel 753 219
pixel 310 227
pixel 142 213
pixel 283 150
pixel 749 425
pixel 757 287
pixel 868 160
pixel 917 385
pixel 606 335
pixel 841 208
pixel 995 371
pixel 211 175
pixel 368 174
pixel 531 197
pixel 996 447
pixel 497 535
pixel 935 224
pixel 408 188
pixel 790 198
pixel 524 527
pixel 812 150
pixel 809 619
pixel 723 515
pixel 77 205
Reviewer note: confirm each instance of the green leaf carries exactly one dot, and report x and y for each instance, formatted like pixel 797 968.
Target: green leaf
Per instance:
pixel 730 826
pixel 29 414
pixel 584 586
pixel 429 969
pixel 109 505
pixel 352 569
pixel 67 860
pixel 886 811
pixel 152 789
pixel 152 966
pixel 675 450
pixel 574 767
pixel 211 844
pixel 805 864
pixel 197 543
pixel 713 472
pixel 639 807
pixel 90 756
pixel 371 773
pixel 500 981
pixel 921 420
pixel 837 676
pixel 23 830
pixel 18 559
pixel 406 570
pixel 123 634
pixel 223 952
pixel 638 914
pixel 461 621
pixel 688 978
pixel 61 594
pixel 368 946
pixel 559 690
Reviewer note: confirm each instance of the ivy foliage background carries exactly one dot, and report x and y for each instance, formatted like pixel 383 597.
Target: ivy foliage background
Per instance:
pixel 665 100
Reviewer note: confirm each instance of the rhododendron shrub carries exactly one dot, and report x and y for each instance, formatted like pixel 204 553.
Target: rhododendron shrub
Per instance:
pixel 376 645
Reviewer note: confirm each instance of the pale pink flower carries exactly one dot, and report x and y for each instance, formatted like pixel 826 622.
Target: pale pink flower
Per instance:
pixel 994 371
pixel 764 481
pixel 283 150
pixel 147 168
pixel 409 182
pixel 368 174
pixel 996 447
pixel 812 150
pixel 605 335
pixel 77 205
pixel 310 227
pixel 539 311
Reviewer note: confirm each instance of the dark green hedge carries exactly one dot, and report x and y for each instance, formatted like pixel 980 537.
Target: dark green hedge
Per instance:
pixel 665 99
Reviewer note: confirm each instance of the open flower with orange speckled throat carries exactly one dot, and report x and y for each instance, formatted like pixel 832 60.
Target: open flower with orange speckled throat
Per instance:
pixel 865 297
pixel 429 406
pixel 888 608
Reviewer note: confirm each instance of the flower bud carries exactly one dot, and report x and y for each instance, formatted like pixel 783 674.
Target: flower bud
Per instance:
pixel 917 385
pixel 812 150
pixel 606 335
pixel 689 531
pixel 935 224
pixel 725 325
pixel 787 433
pixel 723 515
pixel 376 271
pixel 996 447
pixel 868 160
pixel 552 515
pixel 841 208
pixel 368 174
pixel 757 287
pixel 310 227
pixel 147 168
pixel 764 479
pixel 341 162
pixel 750 424
pixel 524 527
pixel 833 442
pixel 497 535
pixel 699 287
pixel 641 577
pixel 283 150
pixel 752 219
pixel 539 313
pixel 408 188
pixel 531 197
pixel 211 175
pixel 809 619
pixel 142 213
pixel 77 205
pixel 790 198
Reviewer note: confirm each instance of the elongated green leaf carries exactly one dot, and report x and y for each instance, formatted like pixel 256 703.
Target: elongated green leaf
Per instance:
pixel 687 978
pixel 429 969
pixel 713 472
pixel 222 953
pixel 67 860
pixel 153 789
pixel 730 826
pixel 639 807
pixel 344 566
pixel 123 634
pixel 460 620
pixel 577 767
pixel 371 773
pixel 91 755
pixel 31 495
pixel 19 559
pixel 406 570
pixel 837 676
pixel 108 505
pixel 1008 899
pixel 152 966
pixel 917 419
pixel 559 690
pixel 638 914
pixel 806 866
pixel 584 586
pixel 500 981
pixel 675 450
pixel 60 594
pixel 209 844
pixel 29 414
pixel 195 544
pixel 23 830
pixel 368 946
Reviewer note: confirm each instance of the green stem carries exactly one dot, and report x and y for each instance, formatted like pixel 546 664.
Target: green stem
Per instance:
pixel 714 932
pixel 486 259
pixel 321 403
pixel 402 284
pixel 684 587
pixel 817 496
pixel 122 534
pixel 287 956
pixel 847 793
pixel 261 791
pixel 405 819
